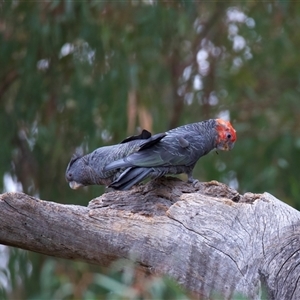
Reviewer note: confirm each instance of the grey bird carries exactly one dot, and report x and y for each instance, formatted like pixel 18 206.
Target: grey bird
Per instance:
pixel 176 153
pixel 88 169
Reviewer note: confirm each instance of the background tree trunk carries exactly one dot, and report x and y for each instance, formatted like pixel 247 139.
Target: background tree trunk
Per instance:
pixel 209 238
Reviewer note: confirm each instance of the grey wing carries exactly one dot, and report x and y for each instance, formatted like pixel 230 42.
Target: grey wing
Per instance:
pixel 144 135
pixel 171 151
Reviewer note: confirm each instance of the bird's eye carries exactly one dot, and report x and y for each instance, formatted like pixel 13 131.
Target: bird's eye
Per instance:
pixel 229 136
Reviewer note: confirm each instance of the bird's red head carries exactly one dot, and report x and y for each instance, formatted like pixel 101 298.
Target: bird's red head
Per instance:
pixel 226 135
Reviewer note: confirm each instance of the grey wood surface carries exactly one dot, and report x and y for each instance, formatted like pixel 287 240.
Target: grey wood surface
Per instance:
pixel 208 237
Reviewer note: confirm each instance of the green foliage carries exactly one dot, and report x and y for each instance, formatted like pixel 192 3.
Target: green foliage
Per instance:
pixel 123 280
pixel 68 69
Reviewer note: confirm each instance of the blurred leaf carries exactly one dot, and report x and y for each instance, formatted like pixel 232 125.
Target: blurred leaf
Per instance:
pixel 67 71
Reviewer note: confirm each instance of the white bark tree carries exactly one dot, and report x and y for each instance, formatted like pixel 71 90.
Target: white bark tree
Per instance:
pixel 207 237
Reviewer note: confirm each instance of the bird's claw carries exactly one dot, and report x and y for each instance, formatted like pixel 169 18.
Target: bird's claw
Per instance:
pixel 193 181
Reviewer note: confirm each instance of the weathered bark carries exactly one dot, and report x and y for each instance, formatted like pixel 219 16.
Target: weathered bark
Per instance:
pixel 208 237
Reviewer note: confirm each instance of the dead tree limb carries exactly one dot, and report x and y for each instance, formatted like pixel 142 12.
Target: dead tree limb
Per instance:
pixel 208 237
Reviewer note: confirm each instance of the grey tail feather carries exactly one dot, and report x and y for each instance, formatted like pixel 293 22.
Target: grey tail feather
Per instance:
pixel 130 177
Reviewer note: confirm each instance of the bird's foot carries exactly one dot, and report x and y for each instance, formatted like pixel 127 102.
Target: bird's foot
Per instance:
pixel 108 189
pixel 193 181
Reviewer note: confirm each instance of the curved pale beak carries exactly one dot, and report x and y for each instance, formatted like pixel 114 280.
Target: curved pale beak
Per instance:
pixel 227 146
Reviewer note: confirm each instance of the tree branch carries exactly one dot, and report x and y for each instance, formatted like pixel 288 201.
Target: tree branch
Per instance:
pixel 6 82
pixel 208 237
